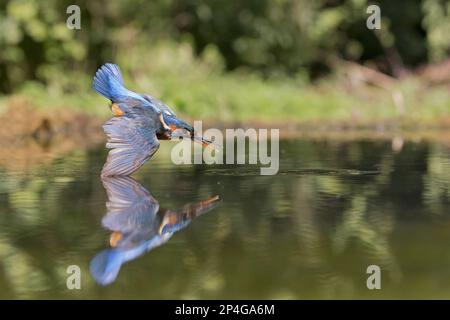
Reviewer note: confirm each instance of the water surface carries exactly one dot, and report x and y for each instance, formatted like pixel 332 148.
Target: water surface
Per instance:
pixel 309 232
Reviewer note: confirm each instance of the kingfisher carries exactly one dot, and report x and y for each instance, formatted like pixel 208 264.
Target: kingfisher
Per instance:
pixel 139 122
pixel 138 224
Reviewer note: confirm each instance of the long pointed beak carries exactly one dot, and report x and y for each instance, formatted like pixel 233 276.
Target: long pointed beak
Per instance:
pixel 180 129
pixel 204 142
pixel 188 133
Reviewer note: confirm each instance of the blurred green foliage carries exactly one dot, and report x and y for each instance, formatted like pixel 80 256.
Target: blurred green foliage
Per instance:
pixel 197 88
pixel 270 37
pixel 437 23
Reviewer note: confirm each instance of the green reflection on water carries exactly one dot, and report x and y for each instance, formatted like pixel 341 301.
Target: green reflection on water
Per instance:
pixel 309 232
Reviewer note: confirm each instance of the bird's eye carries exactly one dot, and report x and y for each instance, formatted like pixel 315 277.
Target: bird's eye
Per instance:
pixel 167 112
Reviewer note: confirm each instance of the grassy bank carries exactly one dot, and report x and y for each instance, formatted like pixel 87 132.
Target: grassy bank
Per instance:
pixel 200 89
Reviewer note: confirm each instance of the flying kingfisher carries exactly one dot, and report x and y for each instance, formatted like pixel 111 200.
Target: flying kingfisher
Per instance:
pixel 139 121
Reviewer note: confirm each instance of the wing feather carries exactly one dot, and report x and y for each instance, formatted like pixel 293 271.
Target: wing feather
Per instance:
pixel 158 104
pixel 130 206
pixel 132 141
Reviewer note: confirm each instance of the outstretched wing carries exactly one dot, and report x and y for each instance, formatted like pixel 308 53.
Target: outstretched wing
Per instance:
pixel 130 206
pixel 132 140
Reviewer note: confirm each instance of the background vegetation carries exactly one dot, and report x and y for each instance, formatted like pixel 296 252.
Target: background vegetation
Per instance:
pixel 234 60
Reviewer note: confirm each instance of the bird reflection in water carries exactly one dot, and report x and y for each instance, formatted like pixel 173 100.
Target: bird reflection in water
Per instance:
pixel 138 225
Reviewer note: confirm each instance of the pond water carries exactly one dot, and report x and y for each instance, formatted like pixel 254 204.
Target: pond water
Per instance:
pixel 311 231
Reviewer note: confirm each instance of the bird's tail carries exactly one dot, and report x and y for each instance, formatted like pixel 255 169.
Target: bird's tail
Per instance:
pixel 105 266
pixel 108 82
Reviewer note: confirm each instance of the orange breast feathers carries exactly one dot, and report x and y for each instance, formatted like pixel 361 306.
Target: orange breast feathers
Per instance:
pixel 116 110
pixel 114 239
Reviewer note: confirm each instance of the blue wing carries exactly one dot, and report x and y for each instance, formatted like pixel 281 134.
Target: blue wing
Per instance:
pixel 132 140
pixel 130 207
pixel 158 104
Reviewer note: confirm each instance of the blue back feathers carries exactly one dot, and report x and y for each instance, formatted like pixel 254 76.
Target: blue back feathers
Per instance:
pixel 108 82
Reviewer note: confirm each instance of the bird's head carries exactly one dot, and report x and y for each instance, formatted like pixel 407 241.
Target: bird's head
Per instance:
pixel 178 129
pixel 171 123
